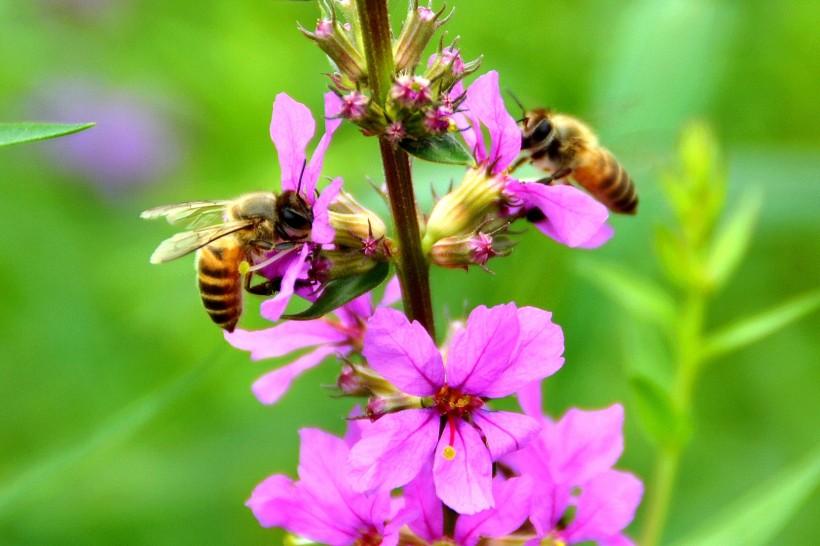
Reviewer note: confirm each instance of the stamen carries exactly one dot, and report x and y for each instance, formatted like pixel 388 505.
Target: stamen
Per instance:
pixel 272 259
pixel 244 267
pixel 449 452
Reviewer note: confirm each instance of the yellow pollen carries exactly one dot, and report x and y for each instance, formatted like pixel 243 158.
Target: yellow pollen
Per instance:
pixel 244 267
pixel 449 453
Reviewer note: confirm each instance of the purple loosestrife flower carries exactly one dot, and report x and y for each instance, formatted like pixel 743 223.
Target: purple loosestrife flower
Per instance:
pixel 341 335
pixel 499 351
pixel 577 454
pixel 571 216
pixel 512 507
pixel 292 127
pixel 322 506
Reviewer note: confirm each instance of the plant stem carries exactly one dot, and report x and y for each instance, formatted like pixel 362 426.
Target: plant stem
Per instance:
pixel 411 266
pixel 688 356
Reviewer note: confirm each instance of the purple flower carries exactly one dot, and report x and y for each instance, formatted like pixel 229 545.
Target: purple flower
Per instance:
pixel 500 350
pixel 134 142
pixel 571 461
pixel 570 216
pixel 513 498
pixel 291 128
pixel 322 506
pixel 342 335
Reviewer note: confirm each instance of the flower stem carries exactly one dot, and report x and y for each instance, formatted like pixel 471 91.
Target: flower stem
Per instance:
pixel 411 266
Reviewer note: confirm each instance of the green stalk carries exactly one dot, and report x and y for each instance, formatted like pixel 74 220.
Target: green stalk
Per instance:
pixel 688 360
pixel 411 265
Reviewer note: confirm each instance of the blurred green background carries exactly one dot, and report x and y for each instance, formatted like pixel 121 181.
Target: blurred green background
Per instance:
pixel 126 419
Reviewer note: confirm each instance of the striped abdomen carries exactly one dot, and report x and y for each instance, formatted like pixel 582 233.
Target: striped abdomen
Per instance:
pixel 220 283
pixel 605 178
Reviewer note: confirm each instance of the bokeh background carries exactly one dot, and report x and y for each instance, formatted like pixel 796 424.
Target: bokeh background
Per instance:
pixel 124 416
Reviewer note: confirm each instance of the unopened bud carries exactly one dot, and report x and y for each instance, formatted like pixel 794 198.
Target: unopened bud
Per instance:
pixel 419 26
pixel 465 250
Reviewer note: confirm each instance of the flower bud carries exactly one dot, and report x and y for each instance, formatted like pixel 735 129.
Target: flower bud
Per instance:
pixel 465 209
pixel 419 26
pixel 333 38
pixel 465 250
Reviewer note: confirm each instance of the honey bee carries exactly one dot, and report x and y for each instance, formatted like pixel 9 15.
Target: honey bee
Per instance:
pixel 248 228
pixel 564 146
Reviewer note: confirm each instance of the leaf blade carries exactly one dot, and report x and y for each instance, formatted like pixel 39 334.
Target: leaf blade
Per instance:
pixel 438 149
pixel 746 331
pixel 19 133
pixel 340 291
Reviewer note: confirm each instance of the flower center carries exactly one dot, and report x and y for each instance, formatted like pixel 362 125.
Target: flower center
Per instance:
pixel 371 537
pixel 454 403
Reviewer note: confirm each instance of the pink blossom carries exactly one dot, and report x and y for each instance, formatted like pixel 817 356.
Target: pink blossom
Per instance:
pixel 426 521
pixel 577 454
pixel 341 334
pixel 498 352
pixel 292 127
pixel 322 506
pixel 570 216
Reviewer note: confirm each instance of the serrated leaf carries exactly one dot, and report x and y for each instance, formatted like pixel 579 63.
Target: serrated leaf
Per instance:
pixel 445 148
pixel 638 295
pixel 659 418
pixel 340 291
pixel 732 241
pixel 18 133
pixel 757 517
pixel 747 331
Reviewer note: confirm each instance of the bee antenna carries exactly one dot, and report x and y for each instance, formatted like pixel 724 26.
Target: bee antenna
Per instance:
pixel 301 174
pixel 518 102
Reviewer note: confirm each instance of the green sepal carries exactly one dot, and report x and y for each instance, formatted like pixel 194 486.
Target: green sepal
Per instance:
pixel 438 149
pixel 18 133
pixel 340 291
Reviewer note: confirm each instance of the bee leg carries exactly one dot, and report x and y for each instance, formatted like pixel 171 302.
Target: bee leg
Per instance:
pixel 557 175
pixel 267 287
pixel 520 161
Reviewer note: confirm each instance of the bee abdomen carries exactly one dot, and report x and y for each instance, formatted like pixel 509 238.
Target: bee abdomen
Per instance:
pixel 220 284
pixel 609 182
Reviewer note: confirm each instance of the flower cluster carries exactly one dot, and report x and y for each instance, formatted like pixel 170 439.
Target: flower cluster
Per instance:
pixel 417 106
pixel 442 451
pixel 431 458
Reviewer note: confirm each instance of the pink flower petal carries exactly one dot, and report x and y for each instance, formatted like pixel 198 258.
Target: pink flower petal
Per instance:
pixel 479 355
pixel 601 236
pixel 607 504
pixel 392 292
pixel 585 443
pixel 284 338
pixel 538 354
pixel 530 400
pixel 393 449
pixel 403 353
pixel 291 129
pixel 321 232
pixel 505 431
pixel 428 520
pixel 464 483
pixel 269 388
pixel 572 217
pixel 271 501
pixel 333 106
pixel 273 308
pixel 484 100
pixel 512 508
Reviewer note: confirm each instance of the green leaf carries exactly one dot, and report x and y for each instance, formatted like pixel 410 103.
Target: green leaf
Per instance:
pixel 639 296
pixel 17 133
pixel 340 291
pixel 757 517
pixel 747 331
pixel 673 257
pixel 732 241
pixel 439 149
pixel 657 414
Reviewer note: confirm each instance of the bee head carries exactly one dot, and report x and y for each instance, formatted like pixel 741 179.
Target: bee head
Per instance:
pixel 536 128
pixel 294 217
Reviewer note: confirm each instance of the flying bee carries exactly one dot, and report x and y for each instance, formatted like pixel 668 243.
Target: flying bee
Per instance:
pixel 249 227
pixel 564 146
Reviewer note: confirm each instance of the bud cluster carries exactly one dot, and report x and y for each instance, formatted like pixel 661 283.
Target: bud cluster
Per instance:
pixel 416 106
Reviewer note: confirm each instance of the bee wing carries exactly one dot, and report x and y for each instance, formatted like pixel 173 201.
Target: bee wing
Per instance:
pixel 188 241
pixel 191 213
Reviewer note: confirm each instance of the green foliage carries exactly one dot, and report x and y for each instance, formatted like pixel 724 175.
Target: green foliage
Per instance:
pixel 663 423
pixel 18 133
pixel 338 292
pixel 441 149
pixel 757 517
